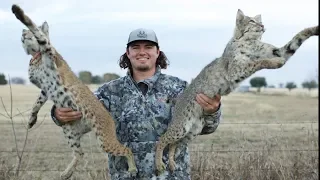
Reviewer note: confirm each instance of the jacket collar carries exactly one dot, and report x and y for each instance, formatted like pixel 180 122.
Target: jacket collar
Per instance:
pixel 150 82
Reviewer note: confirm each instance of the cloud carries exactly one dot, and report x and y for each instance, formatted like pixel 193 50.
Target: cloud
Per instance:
pixel 189 31
pixel 188 13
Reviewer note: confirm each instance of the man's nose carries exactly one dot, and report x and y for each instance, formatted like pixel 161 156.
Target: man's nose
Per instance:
pixel 142 51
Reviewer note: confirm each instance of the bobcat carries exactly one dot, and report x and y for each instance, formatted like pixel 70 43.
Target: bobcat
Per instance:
pixel 50 72
pixel 244 55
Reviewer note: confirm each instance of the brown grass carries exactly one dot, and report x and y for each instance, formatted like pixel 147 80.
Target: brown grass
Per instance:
pixel 261 136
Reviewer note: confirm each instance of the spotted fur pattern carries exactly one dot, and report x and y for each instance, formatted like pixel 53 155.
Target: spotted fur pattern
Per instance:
pixel 57 82
pixel 244 55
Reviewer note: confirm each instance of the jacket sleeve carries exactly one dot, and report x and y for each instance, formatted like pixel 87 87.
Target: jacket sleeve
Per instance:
pixel 212 120
pixel 99 93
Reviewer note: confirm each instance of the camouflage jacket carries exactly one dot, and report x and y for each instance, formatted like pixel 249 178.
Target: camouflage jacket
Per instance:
pixel 142 114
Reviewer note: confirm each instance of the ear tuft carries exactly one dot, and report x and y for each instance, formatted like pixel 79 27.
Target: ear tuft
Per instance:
pixel 45 28
pixel 240 15
pixel 258 18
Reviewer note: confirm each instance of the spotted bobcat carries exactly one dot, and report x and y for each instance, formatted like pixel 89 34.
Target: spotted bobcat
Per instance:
pixel 244 55
pixel 51 73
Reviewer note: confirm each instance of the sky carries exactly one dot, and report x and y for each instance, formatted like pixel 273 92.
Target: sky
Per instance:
pixel 92 35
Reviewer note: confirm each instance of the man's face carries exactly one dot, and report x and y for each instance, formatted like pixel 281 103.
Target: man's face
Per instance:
pixel 143 55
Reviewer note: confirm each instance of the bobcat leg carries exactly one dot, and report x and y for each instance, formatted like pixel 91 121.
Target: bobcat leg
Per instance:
pixel 107 139
pixel 174 149
pixel 36 108
pixel 74 143
pixel 117 149
pixel 272 63
pixel 109 143
pixel 172 135
pixel 292 46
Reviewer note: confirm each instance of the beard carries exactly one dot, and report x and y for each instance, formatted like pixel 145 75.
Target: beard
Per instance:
pixel 143 68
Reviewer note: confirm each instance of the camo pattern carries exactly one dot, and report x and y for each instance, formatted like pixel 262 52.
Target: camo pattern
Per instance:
pixel 142 113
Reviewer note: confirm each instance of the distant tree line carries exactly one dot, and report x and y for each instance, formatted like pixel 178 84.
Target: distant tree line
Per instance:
pixel 259 82
pixel 85 76
pixel 14 80
pixel 3 79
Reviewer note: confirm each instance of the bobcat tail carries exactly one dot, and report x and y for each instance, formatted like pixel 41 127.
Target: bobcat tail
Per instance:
pixel 19 13
pixel 292 46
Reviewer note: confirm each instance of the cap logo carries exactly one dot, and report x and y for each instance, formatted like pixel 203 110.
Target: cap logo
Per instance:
pixel 142 34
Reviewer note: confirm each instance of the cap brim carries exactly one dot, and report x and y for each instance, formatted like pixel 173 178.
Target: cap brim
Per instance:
pixel 141 40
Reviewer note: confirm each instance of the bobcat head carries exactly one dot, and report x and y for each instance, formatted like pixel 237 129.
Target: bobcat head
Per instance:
pixel 29 42
pixel 248 27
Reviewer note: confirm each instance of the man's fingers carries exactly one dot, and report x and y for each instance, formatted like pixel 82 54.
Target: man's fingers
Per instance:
pixel 217 97
pixel 70 118
pixel 71 115
pixel 68 113
pixel 65 109
pixel 206 101
pixel 203 97
pixel 201 101
pixel 215 100
pixel 74 113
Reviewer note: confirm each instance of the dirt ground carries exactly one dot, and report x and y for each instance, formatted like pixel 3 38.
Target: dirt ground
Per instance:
pixel 284 126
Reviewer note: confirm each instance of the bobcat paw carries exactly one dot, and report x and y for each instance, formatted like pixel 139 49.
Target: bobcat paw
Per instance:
pixel 161 167
pixel 280 64
pixel 172 166
pixel 317 31
pixel 66 175
pixel 32 121
pixel 133 172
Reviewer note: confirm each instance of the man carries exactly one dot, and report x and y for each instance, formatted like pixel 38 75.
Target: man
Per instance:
pixel 139 105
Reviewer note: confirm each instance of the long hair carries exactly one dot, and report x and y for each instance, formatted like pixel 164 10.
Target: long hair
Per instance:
pixel 162 60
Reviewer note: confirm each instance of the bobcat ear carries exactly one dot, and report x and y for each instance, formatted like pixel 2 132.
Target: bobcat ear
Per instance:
pixel 58 63
pixel 258 18
pixel 240 15
pixel 45 28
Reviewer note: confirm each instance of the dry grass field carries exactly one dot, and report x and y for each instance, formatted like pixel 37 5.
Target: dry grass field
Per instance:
pixel 272 135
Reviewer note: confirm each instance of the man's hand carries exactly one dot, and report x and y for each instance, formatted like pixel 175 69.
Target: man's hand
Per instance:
pixel 66 115
pixel 209 105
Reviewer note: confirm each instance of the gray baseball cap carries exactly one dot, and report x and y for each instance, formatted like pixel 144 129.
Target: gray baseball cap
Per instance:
pixel 143 34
